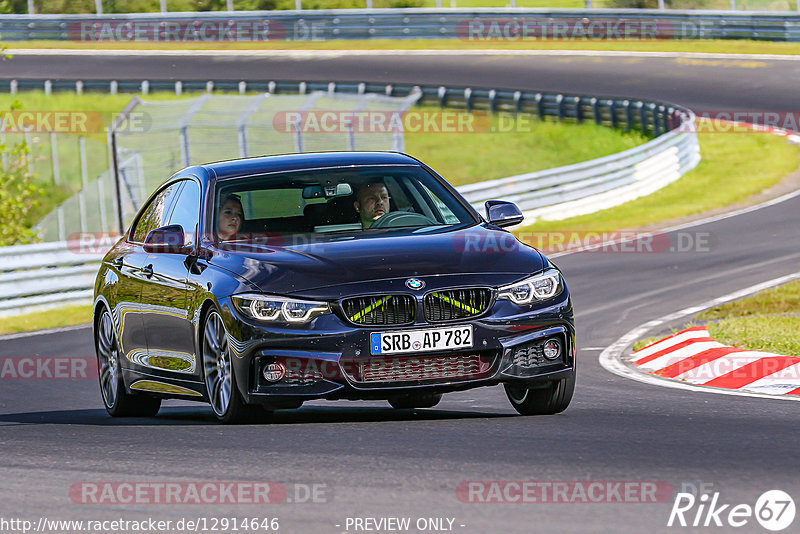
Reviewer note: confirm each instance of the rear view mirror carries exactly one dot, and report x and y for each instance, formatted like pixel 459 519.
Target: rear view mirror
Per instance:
pixel 167 239
pixel 501 213
pixel 327 191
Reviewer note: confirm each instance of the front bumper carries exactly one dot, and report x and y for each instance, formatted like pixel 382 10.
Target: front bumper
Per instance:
pixel 330 359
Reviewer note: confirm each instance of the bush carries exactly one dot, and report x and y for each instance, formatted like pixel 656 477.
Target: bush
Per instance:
pixel 18 193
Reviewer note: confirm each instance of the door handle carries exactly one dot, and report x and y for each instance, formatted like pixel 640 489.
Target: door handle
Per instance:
pixel 148 270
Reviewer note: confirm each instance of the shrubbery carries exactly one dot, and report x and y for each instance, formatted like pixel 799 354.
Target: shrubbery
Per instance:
pixel 18 193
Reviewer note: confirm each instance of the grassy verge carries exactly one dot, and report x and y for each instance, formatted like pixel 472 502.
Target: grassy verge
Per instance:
pixel 464 158
pixel 710 46
pixel 734 167
pixel 767 321
pixel 55 318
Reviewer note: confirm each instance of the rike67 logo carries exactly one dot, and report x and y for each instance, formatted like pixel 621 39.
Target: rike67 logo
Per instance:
pixel 774 510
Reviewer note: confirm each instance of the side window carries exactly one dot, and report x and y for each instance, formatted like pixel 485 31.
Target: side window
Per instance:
pixel 155 214
pixel 187 210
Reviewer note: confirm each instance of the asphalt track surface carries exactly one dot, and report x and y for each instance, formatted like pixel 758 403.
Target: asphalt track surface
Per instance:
pixel 380 463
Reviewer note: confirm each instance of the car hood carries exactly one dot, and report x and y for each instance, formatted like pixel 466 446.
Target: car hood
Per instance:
pixel 334 266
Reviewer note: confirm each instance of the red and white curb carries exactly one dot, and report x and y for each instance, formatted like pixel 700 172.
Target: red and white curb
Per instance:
pixel 616 357
pixel 692 356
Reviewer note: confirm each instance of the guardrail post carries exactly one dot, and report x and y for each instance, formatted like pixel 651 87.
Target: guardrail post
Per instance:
pixel 13 85
pixel 331 88
pixel 442 96
pixel 362 88
pixel 493 101
pixel 48 87
pixel 642 116
pixel 517 102
pixel 628 114
pixel 560 102
pixel 301 88
pixel 178 88
pixel 79 87
pixel 389 89
pixel 539 105
pixel 598 119
pixel 655 110
pixel 612 113
pixel 242 88
pixel 668 118
pixel 272 88
pixel 113 87
pixel 145 87
pixel 578 109
pixel 468 98
pixel 209 86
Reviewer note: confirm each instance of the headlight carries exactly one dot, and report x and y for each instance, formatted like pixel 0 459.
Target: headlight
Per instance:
pixel 540 287
pixel 278 309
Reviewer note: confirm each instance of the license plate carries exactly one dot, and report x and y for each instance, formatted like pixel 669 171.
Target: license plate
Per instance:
pixel 452 337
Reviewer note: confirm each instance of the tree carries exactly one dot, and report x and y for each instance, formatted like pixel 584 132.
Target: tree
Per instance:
pixel 18 192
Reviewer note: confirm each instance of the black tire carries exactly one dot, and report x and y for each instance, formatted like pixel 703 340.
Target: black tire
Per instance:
pixel 548 400
pixel 219 378
pixel 116 399
pixel 421 400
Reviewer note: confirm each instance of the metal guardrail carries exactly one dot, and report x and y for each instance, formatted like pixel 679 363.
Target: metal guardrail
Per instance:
pixel 484 24
pixel 44 274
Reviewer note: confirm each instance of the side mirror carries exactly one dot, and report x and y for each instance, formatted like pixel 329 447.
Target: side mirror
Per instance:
pixel 167 239
pixel 501 213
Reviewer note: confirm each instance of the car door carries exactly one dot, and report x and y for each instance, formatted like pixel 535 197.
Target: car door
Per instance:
pixel 170 342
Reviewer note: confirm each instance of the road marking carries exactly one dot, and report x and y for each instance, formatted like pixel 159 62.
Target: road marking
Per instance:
pixel 44 332
pixel 610 358
pixel 316 54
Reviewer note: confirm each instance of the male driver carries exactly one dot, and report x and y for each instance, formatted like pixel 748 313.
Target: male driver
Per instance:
pixel 372 203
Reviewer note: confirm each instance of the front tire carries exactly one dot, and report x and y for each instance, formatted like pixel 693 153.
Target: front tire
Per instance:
pixel 116 399
pixel 220 380
pixel 549 400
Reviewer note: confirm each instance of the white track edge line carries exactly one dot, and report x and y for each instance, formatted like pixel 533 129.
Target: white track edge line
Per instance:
pixel 44 332
pixel 610 358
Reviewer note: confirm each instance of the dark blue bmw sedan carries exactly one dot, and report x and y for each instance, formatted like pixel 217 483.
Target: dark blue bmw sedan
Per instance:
pixel 258 284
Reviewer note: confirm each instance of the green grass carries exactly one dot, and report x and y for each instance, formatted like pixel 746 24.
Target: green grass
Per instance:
pixel 768 321
pixel 667 45
pixel 733 168
pixel 464 158
pixel 55 318
pixel 769 333
pixel 765 321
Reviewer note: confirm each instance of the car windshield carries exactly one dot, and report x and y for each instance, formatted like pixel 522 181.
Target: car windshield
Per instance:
pixel 352 200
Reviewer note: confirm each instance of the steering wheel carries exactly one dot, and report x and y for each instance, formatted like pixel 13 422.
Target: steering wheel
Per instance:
pixel 399 219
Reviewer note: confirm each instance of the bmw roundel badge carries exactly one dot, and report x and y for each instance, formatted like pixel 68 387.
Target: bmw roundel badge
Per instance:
pixel 415 283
